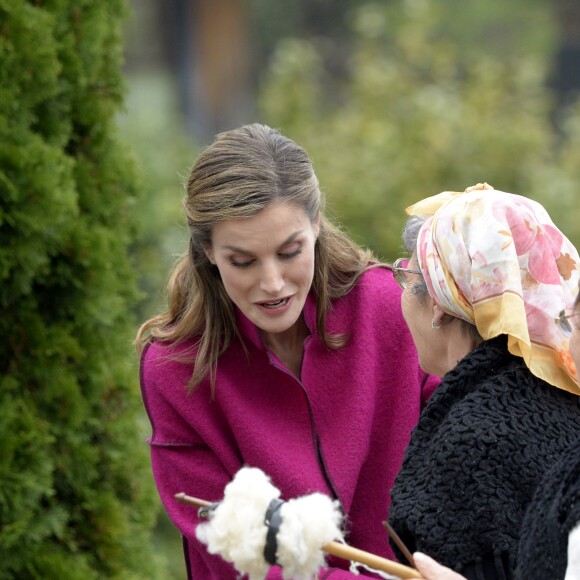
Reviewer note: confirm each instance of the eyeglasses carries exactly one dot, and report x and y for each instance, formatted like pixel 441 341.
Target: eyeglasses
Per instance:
pixel 563 320
pixel 400 272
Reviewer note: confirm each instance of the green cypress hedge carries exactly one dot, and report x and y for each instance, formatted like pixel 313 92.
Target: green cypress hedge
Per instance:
pixel 75 494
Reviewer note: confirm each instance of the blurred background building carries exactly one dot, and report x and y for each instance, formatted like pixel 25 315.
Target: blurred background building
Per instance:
pixel 215 51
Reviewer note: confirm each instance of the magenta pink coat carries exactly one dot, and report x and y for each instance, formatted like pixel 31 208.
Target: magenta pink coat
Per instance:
pixel 341 429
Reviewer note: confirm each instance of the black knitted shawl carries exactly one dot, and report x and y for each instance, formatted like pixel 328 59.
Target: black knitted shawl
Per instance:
pixel 482 444
pixel 553 513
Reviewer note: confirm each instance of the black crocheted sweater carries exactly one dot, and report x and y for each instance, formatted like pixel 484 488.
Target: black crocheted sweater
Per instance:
pixel 553 513
pixel 488 434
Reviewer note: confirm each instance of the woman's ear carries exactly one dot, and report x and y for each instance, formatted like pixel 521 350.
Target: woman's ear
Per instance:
pixel 440 317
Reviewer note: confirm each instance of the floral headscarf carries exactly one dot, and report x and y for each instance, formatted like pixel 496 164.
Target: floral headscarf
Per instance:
pixel 496 260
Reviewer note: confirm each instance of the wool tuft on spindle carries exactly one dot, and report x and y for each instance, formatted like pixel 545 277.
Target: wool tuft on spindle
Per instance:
pixel 308 523
pixel 237 531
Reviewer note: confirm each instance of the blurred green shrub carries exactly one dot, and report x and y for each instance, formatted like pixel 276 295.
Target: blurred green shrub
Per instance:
pixel 419 114
pixel 75 499
pixel 164 153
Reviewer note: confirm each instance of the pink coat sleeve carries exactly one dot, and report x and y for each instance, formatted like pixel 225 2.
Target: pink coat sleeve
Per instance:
pixel 198 473
pixel 183 462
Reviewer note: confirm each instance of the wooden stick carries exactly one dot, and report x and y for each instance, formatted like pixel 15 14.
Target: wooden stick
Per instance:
pixel 194 501
pixel 395 537
pixel 335 548
pixel 371 560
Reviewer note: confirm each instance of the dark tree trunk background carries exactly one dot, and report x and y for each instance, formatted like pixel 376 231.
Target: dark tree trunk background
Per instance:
pixel 565 76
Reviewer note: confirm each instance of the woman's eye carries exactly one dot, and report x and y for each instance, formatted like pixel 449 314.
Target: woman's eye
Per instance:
pixel 291 252
pixel 241 263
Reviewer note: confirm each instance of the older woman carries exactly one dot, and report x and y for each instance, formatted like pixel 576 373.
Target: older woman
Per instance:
pixel 488 277
pixel 550 535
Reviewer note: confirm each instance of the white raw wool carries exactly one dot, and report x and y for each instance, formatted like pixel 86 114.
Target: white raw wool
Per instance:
pixel 237 532
pixel 236 529
pixel 308 523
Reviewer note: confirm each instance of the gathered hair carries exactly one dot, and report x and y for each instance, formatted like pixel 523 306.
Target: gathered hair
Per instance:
pixel 410 236
pixel 237 176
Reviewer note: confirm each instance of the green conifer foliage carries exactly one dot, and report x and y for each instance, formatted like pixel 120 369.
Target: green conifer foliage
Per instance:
pixel 75 497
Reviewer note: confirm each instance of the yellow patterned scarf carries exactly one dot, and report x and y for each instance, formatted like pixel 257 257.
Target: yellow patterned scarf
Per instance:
pixel 497 260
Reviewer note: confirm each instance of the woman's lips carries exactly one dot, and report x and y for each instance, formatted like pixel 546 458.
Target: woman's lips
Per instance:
pixel 275 306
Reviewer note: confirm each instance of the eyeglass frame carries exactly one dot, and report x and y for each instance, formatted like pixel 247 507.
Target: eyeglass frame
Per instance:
pixel 398 272
pixel 562 320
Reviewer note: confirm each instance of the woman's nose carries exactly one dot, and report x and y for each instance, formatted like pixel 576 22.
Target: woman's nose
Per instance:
pixel 271 280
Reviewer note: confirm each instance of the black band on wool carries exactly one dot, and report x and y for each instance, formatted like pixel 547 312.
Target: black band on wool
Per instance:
pixel 273 519
pixel 206 511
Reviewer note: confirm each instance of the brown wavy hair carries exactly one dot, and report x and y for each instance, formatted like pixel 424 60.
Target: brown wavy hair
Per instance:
pixel 237 176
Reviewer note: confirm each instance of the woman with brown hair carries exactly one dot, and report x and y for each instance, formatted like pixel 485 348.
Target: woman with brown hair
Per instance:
pixel 283 347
